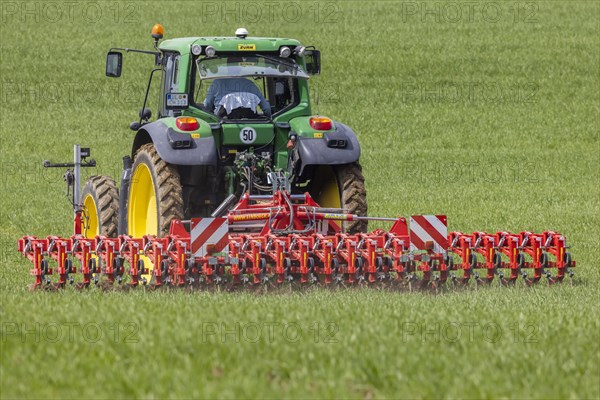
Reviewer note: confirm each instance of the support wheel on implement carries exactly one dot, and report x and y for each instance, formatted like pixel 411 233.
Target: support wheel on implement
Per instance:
pixel 567 259
pixel 497 261
pixel 544 260
pixel 359 264
pixel 472 261
pixel 521 261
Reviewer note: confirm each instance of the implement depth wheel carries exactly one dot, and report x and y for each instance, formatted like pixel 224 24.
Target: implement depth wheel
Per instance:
pixel 100 200
pixel 342 186
pixel 155 197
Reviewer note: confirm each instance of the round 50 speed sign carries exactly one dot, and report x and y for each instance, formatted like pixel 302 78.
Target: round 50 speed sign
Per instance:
pixel 248 135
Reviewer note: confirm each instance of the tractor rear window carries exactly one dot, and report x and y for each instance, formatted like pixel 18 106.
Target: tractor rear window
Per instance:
pixel 248 66
pixel 281 93
pixel 274 78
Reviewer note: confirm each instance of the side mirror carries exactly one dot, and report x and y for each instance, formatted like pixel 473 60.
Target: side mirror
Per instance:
pixel 313 62
pixel 114 62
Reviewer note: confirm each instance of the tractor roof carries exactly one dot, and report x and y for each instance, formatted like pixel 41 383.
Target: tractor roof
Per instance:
pixel 183 45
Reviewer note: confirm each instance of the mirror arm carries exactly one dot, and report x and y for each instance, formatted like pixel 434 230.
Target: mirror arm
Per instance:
pixel 148 90
pixel 155 53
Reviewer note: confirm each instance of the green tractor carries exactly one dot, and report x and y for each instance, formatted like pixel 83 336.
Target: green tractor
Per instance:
pixel 231 110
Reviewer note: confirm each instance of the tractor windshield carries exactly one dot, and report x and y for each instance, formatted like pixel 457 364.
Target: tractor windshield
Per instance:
pixel 248 66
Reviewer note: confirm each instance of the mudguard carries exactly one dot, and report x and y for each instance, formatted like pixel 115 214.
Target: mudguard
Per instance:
pixel 313 151
pixel 202 150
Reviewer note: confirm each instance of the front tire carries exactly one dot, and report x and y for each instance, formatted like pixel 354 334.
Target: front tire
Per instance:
pixel 100 200
pixel 155 195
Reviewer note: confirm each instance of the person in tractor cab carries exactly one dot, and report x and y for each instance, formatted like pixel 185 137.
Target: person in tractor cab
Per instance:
pixel 236 98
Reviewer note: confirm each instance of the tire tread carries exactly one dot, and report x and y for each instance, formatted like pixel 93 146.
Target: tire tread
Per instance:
pixel 106 196
pixel 169 196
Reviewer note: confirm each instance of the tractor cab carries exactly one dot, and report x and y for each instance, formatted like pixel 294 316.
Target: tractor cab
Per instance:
pixel 231 112
pixel 249 93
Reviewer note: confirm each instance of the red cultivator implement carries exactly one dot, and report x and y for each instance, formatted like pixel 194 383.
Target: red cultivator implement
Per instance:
pixel 286 238
pixel 513 253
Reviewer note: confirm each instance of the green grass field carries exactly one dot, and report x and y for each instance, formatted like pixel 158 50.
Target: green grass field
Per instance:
pixel 485 111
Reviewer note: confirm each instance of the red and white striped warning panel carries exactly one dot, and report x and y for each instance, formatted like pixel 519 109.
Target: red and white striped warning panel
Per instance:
pixel 209 236
pixel 429 232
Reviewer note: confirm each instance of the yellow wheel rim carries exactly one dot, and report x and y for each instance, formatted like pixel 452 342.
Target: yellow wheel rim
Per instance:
pixel 329 192
pixel 142 212
pixel 89 224
pixel 330 196
pixel 90 227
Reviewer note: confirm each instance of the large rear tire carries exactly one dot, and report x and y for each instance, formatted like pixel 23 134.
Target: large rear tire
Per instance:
pixel 155 197
pixel 342 186
pixel 100 200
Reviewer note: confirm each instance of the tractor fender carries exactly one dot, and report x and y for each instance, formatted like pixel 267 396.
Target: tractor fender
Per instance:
pixel 202 151
pixel 312 151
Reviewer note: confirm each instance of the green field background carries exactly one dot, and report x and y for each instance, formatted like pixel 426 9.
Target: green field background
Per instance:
pixel 486 111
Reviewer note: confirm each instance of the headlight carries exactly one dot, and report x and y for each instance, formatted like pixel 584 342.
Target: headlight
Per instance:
pixel 196 49
pixel 210 51
pixel 285 51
